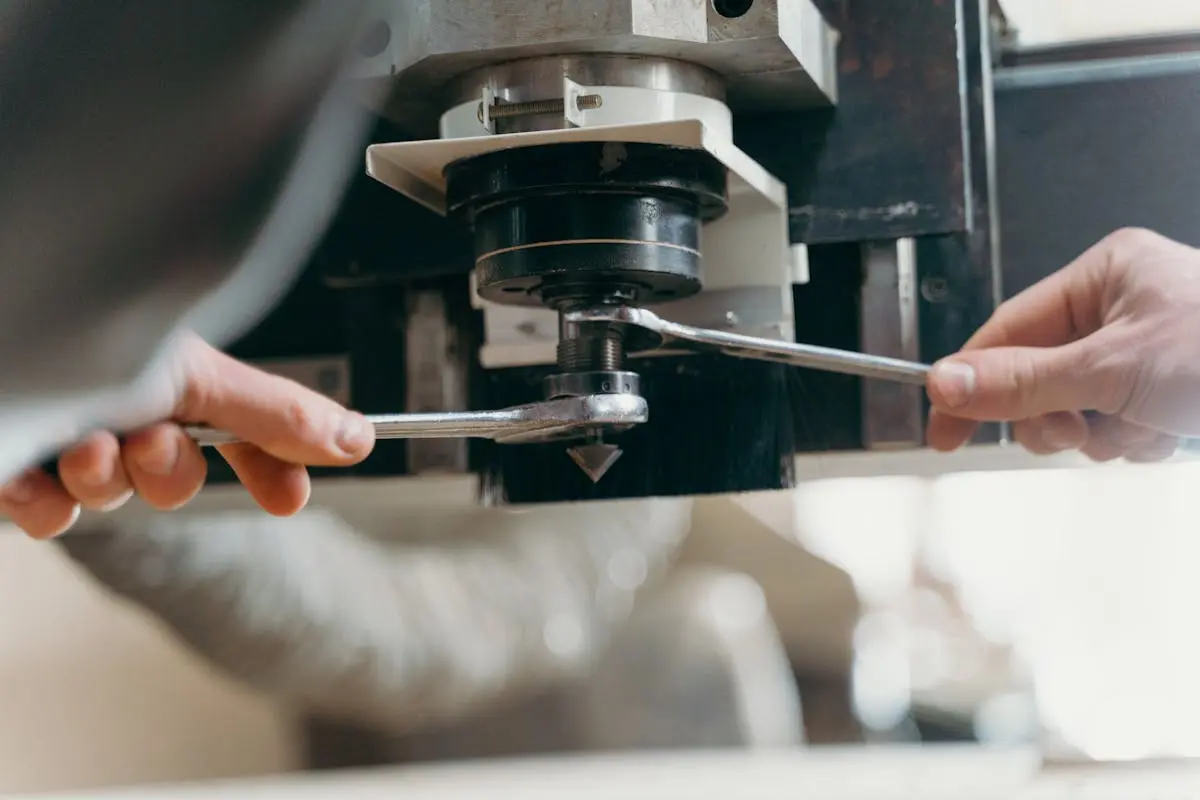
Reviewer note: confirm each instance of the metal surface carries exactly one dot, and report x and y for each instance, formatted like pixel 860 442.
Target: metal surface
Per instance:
pixel 582 351
pixel 751 310
pixel 436 367
pixel 668 336
pixel 525 83
pixel 535 422
pixel 960 274
pixel 595 459
pixel 777 55
pixel 527 79
pixel 581 384
pixel 1100 49
pixel 892 161
pixel 1093 71
pixel 893 413
pixel 498 110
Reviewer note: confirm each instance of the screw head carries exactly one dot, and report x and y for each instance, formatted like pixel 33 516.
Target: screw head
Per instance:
pixel 935 289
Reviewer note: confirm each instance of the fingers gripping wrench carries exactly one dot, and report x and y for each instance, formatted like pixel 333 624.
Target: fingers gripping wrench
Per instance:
pixel 535 422
pixel 565 418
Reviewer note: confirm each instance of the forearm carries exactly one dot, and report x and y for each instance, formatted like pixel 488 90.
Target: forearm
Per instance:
pixel 393 637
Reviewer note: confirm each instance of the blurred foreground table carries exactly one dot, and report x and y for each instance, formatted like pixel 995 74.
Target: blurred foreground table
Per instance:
pixel 885 773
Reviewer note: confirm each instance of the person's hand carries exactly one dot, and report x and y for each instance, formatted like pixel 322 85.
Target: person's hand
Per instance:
pixel 283 426
pixel 1103 356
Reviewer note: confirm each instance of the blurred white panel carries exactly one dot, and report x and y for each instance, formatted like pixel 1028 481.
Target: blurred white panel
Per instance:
pixel 869 527
pixel 1090 574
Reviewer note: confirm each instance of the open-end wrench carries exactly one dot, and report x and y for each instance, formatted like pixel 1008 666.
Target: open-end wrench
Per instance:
pixel 535 422
pixel 651 333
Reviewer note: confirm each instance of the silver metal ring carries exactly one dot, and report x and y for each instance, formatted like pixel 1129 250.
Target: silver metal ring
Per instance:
pixel 581 384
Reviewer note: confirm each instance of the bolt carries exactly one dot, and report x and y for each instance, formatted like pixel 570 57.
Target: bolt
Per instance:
pixel 498 110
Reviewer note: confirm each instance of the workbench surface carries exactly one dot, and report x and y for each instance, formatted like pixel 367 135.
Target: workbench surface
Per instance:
pixel 901 773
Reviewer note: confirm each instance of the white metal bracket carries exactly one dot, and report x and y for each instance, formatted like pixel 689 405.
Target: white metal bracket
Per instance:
pixel 572 110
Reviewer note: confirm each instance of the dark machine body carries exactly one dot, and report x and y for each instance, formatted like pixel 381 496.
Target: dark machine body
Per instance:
pixel 928 158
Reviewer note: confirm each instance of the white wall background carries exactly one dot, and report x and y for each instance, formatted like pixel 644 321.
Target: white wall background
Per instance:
pixel 1046 21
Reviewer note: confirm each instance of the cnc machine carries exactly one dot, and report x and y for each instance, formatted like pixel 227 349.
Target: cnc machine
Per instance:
pixel 626 234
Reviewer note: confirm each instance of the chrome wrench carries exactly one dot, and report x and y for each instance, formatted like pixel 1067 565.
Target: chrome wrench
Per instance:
pixel 649 332
pixel 534 422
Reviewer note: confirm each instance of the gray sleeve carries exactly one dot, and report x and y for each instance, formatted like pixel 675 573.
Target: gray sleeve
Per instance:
pixel 160 164
pixel 393 636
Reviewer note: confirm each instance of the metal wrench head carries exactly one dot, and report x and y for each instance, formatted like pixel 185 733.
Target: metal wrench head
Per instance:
pixel 577 418
pixel 574 417
pixel 644 330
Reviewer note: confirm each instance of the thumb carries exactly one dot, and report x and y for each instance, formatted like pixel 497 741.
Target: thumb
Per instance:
pixel 281 417
pixel 1013 383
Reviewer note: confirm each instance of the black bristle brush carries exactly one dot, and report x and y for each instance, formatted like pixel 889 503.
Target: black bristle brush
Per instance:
pixel 717 424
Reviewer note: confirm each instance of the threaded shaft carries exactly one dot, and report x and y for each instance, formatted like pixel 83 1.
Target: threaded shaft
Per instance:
pixel 590 354
pixel 530 108
pixel 585 102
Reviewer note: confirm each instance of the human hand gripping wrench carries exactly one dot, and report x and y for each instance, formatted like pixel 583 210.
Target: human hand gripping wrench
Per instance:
pixel 583 420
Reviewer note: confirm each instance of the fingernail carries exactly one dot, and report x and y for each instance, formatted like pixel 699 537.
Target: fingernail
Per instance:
pixel 76 512
pixel 19 491
pixel 954 382
pixel 356 434
pixel 161 458
pixel 116 502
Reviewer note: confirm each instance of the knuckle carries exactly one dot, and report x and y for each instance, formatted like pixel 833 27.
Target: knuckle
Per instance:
pixel 1131 235
pixel 1025 379
pixel 1115 373
pixel 201 389
pixel 301 421
pixel 1132 239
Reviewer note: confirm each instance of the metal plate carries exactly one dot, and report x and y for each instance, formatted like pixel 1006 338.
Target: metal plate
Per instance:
pixel 890 161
